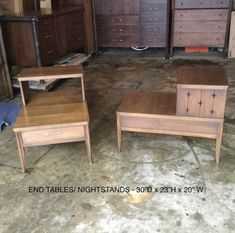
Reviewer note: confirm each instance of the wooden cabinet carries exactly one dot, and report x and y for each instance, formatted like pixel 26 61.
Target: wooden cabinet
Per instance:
pixel 38 40
pixel 51 117
pixel 127 23
pixel 154 24
pixel 200 23
pixel 201 92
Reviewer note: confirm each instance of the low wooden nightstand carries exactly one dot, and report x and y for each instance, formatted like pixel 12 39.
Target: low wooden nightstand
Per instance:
pixel 53 117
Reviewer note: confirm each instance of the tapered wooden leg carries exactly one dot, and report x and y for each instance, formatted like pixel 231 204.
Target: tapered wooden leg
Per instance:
pixel 21 150
pixel 119 133
pixel 218 141
pixel 88 143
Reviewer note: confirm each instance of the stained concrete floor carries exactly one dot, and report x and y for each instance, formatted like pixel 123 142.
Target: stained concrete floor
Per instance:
pixel 146 161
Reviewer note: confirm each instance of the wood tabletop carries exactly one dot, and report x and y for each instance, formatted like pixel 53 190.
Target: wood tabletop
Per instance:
pixel 51 115
pixel 197 75
pixel 147 102
pixel 51 72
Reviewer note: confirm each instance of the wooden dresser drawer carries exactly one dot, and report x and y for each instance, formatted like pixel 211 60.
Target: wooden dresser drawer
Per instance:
pixel 117 20
pixel 153 29
pixel 198 39
pixel 200 26
pixel 182 4
pixel 118 30
pixel 113 7
pixel 152 7
pixel 118 41
pixel 153 40
pixel 158 17
pixel 191 15
pixel 51 136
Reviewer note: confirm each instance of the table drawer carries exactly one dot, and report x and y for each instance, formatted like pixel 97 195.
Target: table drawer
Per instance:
pixel 53 136
pixel 200 26
pixel 179 4
pixel 191 15
pixel 198 39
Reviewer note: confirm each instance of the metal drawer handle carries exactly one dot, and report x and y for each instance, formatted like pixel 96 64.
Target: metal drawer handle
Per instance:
pixel 114 30
pixel 120 30
pixel 120 40
pixel 120 20
pixel 53 133
pixel 150 8
pixel 217 38
pixel 155 8
pixel 48 37
pixel 46 23
pixel 113 20
pixel 50 52
pixel 114 40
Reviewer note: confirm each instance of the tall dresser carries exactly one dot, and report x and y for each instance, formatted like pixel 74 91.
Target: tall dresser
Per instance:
pixel 201 23
pixel 132 23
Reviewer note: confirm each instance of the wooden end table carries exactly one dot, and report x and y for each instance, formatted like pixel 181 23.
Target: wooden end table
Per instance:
pixel 197 110
pixel 53 117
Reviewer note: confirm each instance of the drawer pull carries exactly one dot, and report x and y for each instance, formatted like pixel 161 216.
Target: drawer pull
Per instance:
pixel 48 37
pixel 150 8
pixel 50 52
pixel 120 30
pixel 114 40
pixel 180 15
pixel 120 40
pixel 217 38
pixel 155 8
pixel 113 20
pixel 46 23
pixel 52 133
pixel 114 30
pixel 120 20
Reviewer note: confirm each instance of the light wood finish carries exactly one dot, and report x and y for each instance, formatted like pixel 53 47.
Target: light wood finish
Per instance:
pixel 53 117
pixel 197 110
pixel 231 51
pixel 201 92
pixel 39 73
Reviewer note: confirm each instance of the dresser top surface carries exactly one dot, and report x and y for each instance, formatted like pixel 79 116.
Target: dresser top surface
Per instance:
pixel 51 72
pixel 202 76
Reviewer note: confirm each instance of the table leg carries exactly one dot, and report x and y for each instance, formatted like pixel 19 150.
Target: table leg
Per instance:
pixel 218 141
pixel 119 133
pixel 88 143
pixel 21 150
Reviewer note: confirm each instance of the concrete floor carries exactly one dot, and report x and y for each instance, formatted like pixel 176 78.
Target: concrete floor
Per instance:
pixel 146 161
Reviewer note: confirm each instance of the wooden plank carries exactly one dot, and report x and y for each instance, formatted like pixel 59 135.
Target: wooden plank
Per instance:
pixel 231 50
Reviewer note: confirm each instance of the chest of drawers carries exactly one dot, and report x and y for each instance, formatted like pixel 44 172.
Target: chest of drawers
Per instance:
pixel 38 39
pixel 200 23
pixel 125 23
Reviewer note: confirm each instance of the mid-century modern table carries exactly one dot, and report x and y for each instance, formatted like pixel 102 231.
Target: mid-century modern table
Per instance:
pixel 53 117
pixel 196 110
